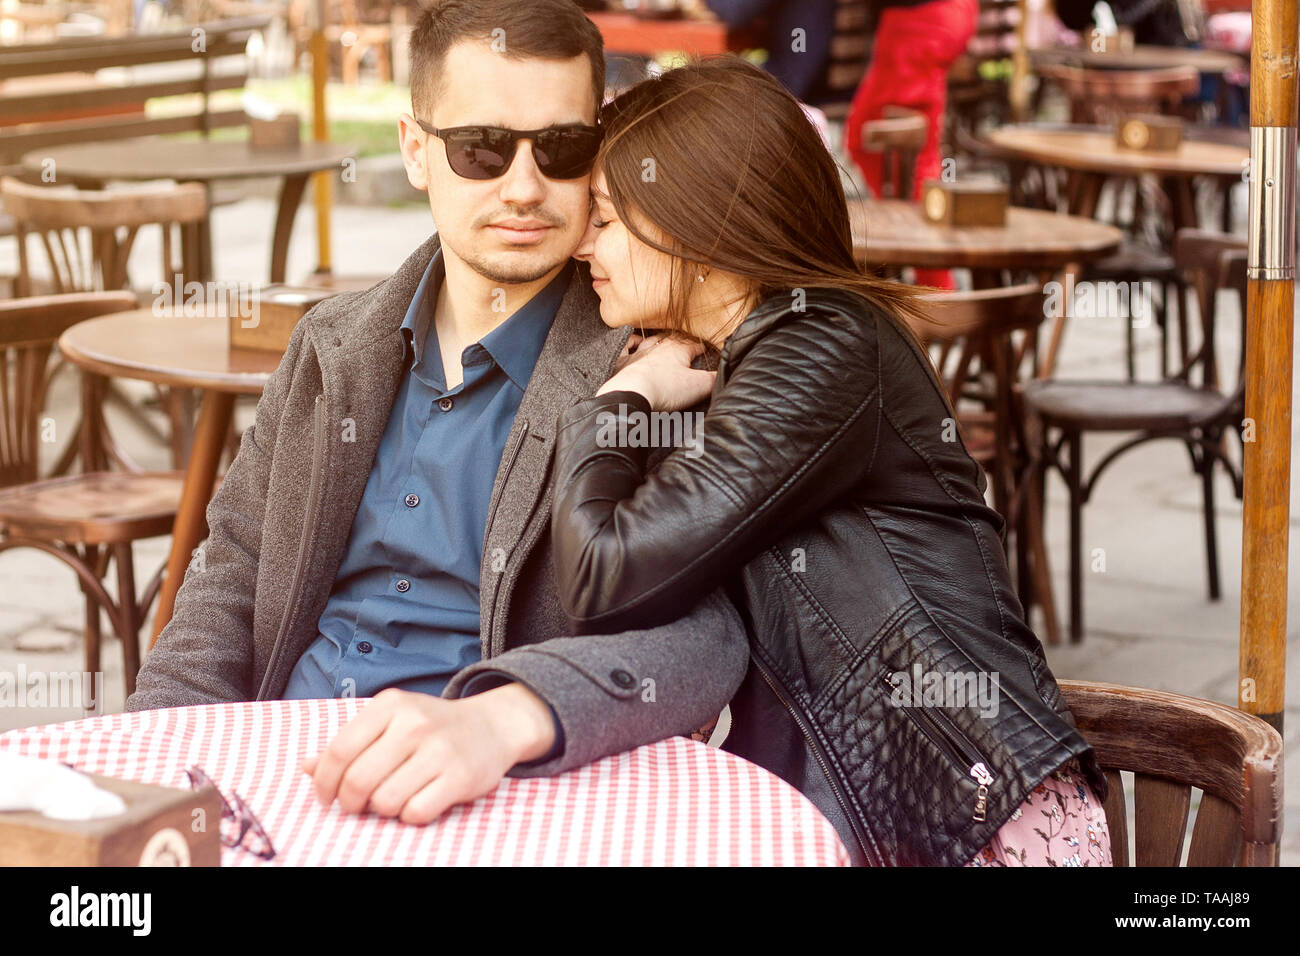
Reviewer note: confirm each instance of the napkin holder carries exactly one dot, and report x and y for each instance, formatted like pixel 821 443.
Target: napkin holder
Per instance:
pixel 1112 44
pixel 964 204
pixel 276 310
pixel 1157 133
pixel 162 826
pixel 280 132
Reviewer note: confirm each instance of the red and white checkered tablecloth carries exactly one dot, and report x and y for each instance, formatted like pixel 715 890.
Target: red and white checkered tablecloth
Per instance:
pixel 677 802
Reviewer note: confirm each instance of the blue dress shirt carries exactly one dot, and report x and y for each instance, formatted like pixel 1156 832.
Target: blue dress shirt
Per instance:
pixel 404 611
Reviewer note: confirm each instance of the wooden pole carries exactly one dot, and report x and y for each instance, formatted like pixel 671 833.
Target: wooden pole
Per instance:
pixel 1270 318
pixel 322 182
pixel 1019 92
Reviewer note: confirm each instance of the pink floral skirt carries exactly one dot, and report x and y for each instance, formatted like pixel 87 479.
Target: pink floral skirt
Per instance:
pixel 1061 823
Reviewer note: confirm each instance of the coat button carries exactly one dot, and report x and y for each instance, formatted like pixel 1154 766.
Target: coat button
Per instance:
pixel 622 678
pixel 412 500
pixel 365 647
pixel 445 404
pixel 403 585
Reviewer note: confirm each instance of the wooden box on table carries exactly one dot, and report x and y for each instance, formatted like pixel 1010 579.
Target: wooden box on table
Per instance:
pixel 276 310
pixel 964 204
pixel 162 826
pixel 1149 132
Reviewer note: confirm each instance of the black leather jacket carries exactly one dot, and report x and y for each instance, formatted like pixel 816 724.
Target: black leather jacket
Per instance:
pixel 858 544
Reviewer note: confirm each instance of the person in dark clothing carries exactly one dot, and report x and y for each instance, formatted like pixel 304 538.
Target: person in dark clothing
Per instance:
pixel 798 39
pixel 1157 22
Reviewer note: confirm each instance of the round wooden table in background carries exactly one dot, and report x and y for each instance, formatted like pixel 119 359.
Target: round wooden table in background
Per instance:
pixel 895 232
pixel 202 161
pixel 1141 57
pixel 180 351
pixel 1093 154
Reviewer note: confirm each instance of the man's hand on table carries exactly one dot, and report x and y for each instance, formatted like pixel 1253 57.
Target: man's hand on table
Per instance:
pixel 414 756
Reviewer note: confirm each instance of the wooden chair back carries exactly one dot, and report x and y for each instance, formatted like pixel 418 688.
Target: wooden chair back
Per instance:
pixel 963 325
pixel 899 136
pixel 29 329
pixel 978 342
pixel 849 55
pixel 1102 96
pixel 87 235
pixel 1211 262
pixel 977 100
pixel 1171 744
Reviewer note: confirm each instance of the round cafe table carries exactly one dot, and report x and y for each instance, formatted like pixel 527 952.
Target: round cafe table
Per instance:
pixel 202 161
pixel 186 352
pixel 895 232
pixel 1141 57
pixel 673 803
pixel 1092 154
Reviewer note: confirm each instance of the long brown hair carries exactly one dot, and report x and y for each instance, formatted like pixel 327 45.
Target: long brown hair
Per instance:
pixel 723 161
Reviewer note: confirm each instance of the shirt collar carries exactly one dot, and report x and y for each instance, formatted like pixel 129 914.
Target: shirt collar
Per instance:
pixel 514 345
pixel 419 315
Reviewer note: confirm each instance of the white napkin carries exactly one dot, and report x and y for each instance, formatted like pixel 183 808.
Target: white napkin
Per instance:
pixel 1104 17
pixel 58 792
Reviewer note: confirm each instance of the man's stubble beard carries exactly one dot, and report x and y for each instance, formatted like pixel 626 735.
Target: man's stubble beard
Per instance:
pixel 521 274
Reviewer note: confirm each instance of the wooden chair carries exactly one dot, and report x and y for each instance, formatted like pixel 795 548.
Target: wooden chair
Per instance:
pixel 899 136
pixel 8 280
pixel 1102 96
pixel 984 347
pixel 86 237
pixel 978 83
pixel 849 55
pixel 1172 743
pixel 1189 406
pixel 87 519
pixel 87 234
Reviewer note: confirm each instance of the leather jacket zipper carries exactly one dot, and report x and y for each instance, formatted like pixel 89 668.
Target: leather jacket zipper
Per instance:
pixel 815 748
pixel 512 455
pixel 308 528
pixel 945 735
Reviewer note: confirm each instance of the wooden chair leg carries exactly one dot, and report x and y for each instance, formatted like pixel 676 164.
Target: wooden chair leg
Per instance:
pixel 182 405
pixel 128 615
pixel 1037 546
pixel 1211 534
pixel 91 633
pixel 1075 481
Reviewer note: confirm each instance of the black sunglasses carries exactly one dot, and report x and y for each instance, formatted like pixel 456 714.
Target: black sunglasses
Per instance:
pixel 486 152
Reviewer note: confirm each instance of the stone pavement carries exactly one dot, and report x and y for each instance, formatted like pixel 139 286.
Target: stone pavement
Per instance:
pixel 1148 620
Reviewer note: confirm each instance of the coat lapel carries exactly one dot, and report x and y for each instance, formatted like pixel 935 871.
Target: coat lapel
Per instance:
pixel 358 344
pixel 578 357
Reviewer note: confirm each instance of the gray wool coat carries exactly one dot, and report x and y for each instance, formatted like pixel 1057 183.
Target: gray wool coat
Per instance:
pixel 280 522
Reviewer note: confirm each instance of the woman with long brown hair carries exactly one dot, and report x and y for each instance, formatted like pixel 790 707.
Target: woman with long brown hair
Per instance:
pixel 893 678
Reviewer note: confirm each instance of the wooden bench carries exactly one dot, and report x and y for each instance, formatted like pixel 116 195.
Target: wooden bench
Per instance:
pixel 93 89
pixel 70 90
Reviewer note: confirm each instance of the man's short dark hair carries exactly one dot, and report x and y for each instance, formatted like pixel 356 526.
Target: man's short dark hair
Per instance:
pixel 549 29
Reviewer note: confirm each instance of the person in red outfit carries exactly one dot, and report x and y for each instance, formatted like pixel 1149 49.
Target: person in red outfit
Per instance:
pixel 915 44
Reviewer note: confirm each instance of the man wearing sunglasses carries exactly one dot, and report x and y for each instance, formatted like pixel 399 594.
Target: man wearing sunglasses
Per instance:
pixel 384 530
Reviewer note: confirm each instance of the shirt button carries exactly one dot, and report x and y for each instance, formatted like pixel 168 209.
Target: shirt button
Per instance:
pixel 622 678
pixel 445 404
pixel 365 647
pixel 403 585
pixel 412 500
